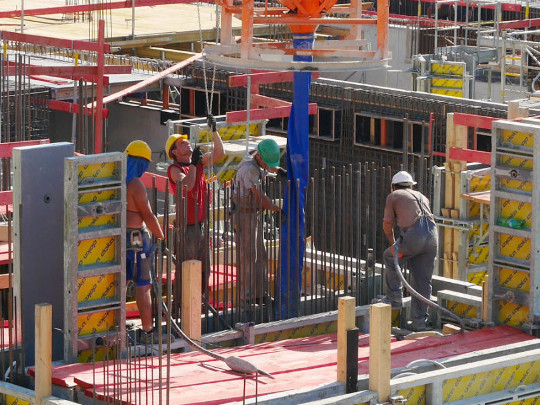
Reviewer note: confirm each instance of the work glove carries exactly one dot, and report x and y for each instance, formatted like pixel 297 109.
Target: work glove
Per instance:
pixel 281 173
pixel 211 122
pixel 282 217
pixel 196 156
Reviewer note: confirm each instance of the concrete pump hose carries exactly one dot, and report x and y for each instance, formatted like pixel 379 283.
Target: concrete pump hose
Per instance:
pixel 413 292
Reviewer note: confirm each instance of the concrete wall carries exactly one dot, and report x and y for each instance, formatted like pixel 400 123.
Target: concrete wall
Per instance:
pixel 125 124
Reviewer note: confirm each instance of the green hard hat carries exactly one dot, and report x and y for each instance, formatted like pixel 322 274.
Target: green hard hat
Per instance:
pixel 269 151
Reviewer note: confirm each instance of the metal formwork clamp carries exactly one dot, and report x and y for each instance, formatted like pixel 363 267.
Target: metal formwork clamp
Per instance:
pixel 397 400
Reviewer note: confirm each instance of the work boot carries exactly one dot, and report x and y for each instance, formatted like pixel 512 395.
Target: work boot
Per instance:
pixel 396 304
pixel 416 325
pixel 152 337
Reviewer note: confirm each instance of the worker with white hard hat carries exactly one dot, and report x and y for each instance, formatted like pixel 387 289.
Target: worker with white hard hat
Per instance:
pixel 409 210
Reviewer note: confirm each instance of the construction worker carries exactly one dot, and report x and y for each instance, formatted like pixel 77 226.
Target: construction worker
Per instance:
pixel 139 247
pixel 409 209
pixel 248 201
pixel 188 168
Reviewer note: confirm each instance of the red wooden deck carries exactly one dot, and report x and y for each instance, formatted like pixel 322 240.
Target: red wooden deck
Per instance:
pixel 296 364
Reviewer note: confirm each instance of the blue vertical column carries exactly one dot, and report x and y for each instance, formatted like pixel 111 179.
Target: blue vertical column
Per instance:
pixel 292 241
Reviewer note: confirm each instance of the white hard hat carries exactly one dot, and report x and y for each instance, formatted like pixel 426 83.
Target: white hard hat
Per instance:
pixel 403 177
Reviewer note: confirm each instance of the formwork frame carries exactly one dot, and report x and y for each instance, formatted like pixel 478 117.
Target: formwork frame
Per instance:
pixel 94 276
pixel 515 253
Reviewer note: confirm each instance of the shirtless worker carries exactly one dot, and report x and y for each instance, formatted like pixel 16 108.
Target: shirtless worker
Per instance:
pixel 138 214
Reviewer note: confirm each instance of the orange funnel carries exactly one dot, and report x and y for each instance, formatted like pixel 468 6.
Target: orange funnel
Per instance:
pixel 306 8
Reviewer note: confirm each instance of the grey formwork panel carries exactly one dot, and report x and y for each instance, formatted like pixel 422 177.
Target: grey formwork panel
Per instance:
pixel 38 208
pixel 94 253
pixel 515 253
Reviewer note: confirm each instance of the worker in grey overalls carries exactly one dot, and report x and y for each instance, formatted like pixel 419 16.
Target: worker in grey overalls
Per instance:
pixel 249 201
pixel 409 209
pixel 139 246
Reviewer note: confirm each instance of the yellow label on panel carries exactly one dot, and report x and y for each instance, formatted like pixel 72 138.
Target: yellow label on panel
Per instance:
pixel 517 280
pixel 96 288
pixel 96 221
pixel 477 278
pixel 95 322
pixel 447 68
pixel 478 255
pixel 516 185
pixel 515 247
pixel 87 173
pixel 518 138
pixel 100 354
pixel 452 93
pixel 517 210
pixel 415 395
pixel 513 314
pixel 517 162
pixel 303 331
pixel 482 383
pixel 15 401
pixel 463 310
pixel 480 183
pixel 92 251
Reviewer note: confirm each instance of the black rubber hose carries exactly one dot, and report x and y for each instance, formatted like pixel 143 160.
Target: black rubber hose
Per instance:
pixel 413 292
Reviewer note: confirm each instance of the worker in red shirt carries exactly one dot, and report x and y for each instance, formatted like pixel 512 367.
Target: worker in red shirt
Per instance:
pixel 188 169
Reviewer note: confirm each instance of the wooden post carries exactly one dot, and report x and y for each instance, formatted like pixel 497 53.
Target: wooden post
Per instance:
pixel 43 351
pixel 191 298
pixel 379 350
pixel 346 321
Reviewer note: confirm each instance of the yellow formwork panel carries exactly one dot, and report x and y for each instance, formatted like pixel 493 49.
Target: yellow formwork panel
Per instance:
pixel 230 133
pixel 477 277
pixel 10 400
pixel 517 138
pixel 447 69
pixel 396 318
pixel 86 173
pixel 477 184
pixel 100 354
pixel 304 331
pixel 517 210
pixel 456 84
pixel 414 395
pixel 92 251
pixel 515 279
pixel 463 310
pixel 476 229
pixel 96 196
pixel 96 288
pixel 513 314
pixel 447 92
pixel 96 322
pixel 470 386
pixel 515 247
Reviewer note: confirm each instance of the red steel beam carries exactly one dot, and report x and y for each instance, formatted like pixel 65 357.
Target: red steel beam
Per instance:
pixel 470 155
pixel 141 85
pixel 89 7
pixel 472 120
pixel 263 101
pixel 527 23
pixel 264 113
pixel 50 41
pixel 161 181
pixel 70 71
pixel 6 148
pixel 73 108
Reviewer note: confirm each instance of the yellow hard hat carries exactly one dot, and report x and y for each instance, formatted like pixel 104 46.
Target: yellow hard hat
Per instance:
pixel 171 141
pixel 139 149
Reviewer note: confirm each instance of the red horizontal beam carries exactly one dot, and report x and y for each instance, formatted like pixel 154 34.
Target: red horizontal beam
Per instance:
pixel 50 41
pixel 470 155
pixel 528 23
pixel 161 181
pixel 56 80
pixel 6 148
pixel 73 108
pixel 312 20
pixel 475 121
pixel 265 78
pixel 264 113
pixel 89 7
pixel 70 71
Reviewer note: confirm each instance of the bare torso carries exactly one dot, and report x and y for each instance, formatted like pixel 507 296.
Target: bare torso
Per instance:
pixel 134 218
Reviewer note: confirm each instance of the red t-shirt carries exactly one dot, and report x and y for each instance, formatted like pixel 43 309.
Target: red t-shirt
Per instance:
pixel 197 195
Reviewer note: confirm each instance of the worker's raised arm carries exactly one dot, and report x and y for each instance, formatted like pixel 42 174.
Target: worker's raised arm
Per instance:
pixel 218 151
